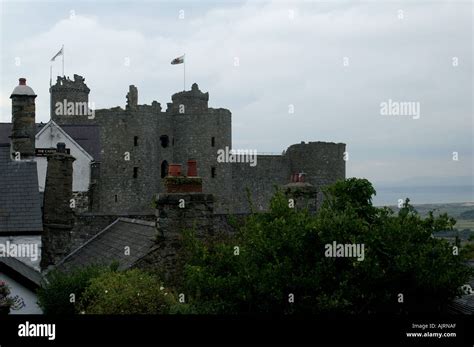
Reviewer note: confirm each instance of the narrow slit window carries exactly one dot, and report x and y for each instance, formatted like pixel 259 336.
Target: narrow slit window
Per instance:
pixel 213 141
pixel 135 172
pixel 164 169
pixel 135 141
pixel 213 172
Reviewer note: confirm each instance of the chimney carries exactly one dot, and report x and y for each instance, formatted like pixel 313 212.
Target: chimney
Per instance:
pixel 58 217
pixel 175 183
pixel 23 120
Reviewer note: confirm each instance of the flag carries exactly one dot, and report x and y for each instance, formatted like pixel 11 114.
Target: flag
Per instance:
pixel 179 60
pixel 61 52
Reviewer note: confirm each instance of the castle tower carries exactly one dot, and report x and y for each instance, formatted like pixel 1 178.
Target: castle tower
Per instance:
pixel 58 218
pixel 199 132
pixel 322 162
pixel 69 101
pixel 23 120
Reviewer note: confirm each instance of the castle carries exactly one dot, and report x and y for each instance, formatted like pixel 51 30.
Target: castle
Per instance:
pixel 139 142
pixel 129 173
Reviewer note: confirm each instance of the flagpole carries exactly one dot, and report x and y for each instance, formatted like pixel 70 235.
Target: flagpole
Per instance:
pixel 184 72
pixel 63 59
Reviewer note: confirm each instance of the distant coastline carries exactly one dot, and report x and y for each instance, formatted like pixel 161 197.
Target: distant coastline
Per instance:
pixel 418 195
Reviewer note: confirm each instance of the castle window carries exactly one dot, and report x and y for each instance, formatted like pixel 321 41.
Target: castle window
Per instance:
pixel 165 140
pixel 135 141
pixel 213 172
pixel 116 198
pixel 213 141
pixel 164 169
pixel 135 172
pixel 172 142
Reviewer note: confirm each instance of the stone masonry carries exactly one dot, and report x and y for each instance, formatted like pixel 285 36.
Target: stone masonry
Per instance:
pixel 139 142
pixel 58 217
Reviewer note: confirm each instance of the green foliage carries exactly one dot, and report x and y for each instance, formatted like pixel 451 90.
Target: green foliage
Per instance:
pixel 351 194
pixel 54 297
pixel 128 292
pixel 282 253
pixel 8 302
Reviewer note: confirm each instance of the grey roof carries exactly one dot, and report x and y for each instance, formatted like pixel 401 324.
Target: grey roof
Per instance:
pixel 108 246
pixel 20 205
pixel 20 268
pixel 87 136
pixel 6 131
pixel 465 303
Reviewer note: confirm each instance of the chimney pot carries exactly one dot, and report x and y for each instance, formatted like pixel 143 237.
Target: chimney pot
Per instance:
pixel 22 81
pixel 192 168
pixel 174 170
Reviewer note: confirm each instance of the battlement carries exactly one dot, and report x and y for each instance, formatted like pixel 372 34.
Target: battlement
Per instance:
pixel 309 144
pixel 65 83
pixel 132 102
pixel 193 100
pixel 70 94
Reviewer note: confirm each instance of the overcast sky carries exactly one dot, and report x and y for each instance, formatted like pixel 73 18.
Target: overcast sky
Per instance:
pixel 289 53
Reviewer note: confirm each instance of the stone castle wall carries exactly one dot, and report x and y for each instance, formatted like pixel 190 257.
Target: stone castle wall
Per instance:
pixel 259 180
pixel 188 129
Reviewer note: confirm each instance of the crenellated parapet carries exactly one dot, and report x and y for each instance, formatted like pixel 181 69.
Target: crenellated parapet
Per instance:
pixel 191 101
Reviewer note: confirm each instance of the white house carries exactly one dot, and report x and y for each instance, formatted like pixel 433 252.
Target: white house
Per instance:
pixel 47 138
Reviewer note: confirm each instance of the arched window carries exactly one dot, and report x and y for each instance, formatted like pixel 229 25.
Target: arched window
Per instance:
pixel 164 169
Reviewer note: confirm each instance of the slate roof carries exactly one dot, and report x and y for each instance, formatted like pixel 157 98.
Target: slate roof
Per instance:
pixel 20 205
pixel 17 268
pixel 108 246
pixel 6 131
pixel 465 303
pixel 87 136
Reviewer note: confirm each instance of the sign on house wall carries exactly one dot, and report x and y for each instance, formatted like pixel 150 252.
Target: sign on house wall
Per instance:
pixel 44 152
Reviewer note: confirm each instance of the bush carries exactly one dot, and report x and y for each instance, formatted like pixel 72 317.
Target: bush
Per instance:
pixel 129 292
pixel 7 302
pixel 55 295
pixel 282 253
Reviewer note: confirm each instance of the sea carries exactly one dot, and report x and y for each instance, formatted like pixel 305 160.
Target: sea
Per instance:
pixel 389 196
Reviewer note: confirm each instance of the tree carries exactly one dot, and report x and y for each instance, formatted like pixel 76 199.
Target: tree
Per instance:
pixel 8 302
pixel 61 291
pixel 281 267
pixel 127 292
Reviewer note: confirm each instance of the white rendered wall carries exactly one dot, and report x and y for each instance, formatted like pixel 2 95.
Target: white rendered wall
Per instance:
pixel 16 288
pixel 29 297
pixel 81 166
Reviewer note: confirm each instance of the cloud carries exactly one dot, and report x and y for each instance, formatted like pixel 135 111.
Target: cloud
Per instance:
pixel 290 55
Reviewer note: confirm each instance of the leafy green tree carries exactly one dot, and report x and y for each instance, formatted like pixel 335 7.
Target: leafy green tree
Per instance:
pixel 276 263
pixel 127 292
pixel 61 291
